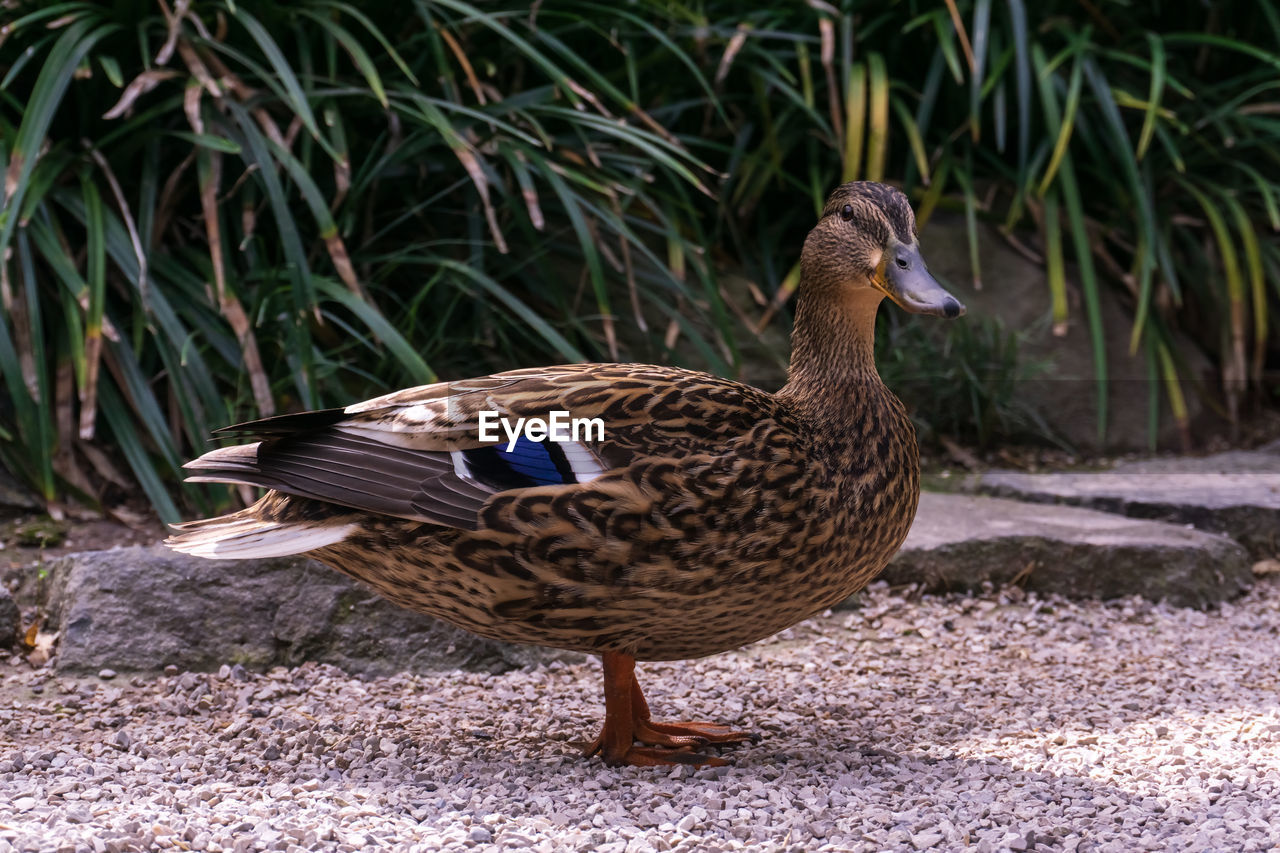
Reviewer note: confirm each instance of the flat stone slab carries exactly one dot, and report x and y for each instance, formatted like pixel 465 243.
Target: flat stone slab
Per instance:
pixel 961 541
pixel 141 609
pixel 1235 493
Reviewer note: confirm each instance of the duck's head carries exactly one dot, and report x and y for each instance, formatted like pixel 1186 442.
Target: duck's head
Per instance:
pixel 865 245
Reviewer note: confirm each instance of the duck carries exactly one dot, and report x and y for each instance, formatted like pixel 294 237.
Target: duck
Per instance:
pixel 690 515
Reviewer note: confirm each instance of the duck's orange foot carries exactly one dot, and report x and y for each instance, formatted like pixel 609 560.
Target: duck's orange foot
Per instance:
pixel 650 756
pixel 665 744
pixel 674 735
pixel 627 723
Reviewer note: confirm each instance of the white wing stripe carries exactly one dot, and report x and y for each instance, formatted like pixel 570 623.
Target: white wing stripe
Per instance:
pixel 583 462
pixel 460 465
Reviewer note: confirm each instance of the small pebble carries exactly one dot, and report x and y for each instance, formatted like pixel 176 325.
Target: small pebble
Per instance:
pixel 106 673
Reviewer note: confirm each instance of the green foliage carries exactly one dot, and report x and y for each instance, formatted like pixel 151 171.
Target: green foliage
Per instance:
pixel 255 207
pixel 963 381
pixel 217 210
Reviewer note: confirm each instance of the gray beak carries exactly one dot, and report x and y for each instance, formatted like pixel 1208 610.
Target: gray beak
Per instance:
pixel 906 280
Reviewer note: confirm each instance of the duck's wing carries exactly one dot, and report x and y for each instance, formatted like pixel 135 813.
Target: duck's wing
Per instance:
pixel 421 454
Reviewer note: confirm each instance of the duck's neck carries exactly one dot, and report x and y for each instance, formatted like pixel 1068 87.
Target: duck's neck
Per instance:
pixel 833 375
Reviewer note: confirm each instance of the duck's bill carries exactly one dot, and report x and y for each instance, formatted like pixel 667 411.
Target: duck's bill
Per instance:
pixel 906 280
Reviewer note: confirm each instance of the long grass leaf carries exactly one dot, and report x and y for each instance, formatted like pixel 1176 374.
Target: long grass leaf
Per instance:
pixel 1257 283
pixel 25 390
pixel 1022 77
pixel 1054 264
pixel 354 49
pixel 123 430
pixel 297 98
pixel 46 97
pixel 1089 284
pixel 1177 403
pixel 414 366
pixel 877 117
pixel 1154 95
pixel 1071 196
pixel 1062 126
pixel 517 307
pixel 256 152
pixel 1234 369
pixel 981 37
pixel 965 180
pixel 1267 190
pixel 590 253
pixel 96 276
pixel 1267 57
pixel 855 128
pixel 373 30
pixel 914 139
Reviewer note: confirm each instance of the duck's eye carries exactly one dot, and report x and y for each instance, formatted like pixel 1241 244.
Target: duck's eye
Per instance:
pixel 846 212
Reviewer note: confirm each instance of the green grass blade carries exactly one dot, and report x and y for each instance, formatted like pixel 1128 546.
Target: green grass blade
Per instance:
pixel 1266 190
pixel 1257 283
pixel 1064 125
pixel 296 97
pixel 517 307
pixel 1022 76
pixel 123 429
pixel 980 33
pixel 1089 284
pixel 877 117
pixel 1054 264
pixel 256 151
pixel 587 242
pixel 855 122
pixel 96 275
pixel 207 140
pixel 373 30
pixel 59 67
pixel 1066 181
pixel 1233 367
pixel 1154 95
pixel 354 49
pixel 914 139
pixel 417 369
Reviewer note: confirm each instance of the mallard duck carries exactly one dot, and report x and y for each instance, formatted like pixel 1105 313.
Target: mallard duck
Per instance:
pixel 699 514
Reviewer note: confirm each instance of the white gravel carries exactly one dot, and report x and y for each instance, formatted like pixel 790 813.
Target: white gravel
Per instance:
pixel 998 722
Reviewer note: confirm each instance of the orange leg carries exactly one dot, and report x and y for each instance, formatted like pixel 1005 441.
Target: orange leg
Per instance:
pixel 626 721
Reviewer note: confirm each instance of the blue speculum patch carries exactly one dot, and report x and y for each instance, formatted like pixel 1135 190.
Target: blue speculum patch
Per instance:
pixel 528 463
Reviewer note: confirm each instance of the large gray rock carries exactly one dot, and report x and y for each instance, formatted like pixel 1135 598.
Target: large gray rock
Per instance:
pixel 961 541
pixel 1235 493
pixel 146 608
pixel 1016 290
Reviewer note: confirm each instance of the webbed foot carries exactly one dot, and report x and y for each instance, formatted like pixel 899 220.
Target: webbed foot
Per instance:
pixel 627 722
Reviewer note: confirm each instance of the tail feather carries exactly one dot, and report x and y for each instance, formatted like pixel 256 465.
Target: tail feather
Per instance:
pixel 272 527
pixel 242 535
pixel 235 464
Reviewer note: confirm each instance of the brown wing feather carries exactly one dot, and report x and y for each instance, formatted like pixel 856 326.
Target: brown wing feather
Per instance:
pixel 392 455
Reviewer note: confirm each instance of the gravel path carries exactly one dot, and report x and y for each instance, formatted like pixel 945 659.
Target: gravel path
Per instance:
pixel 999 722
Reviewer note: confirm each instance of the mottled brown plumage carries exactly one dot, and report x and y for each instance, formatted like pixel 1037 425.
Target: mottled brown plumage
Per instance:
pixel 710 515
